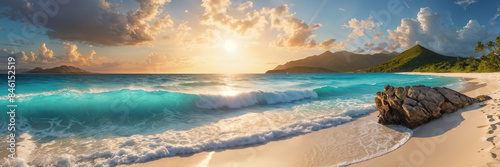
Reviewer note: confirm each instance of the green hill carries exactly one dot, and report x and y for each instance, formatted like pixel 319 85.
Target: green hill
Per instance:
pixel 301 69
pixel 410 60
pixel 59 70
pixel 340 61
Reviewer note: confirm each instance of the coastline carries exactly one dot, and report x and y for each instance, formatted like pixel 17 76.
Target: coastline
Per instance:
pixel 442 142
pixel 457 139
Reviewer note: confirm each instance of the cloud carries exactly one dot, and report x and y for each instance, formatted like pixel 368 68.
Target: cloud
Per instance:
pixel 377 36
pixel 243 6
pixel 492 20
pixel 294 32
pixel 369 44
pixel 216 14
pixel 162 61
pixel 96 21
pixel 156 59
pixel 27 58
pixel 330 44
pixel 429 30
pixel 465 3
pixel 186 11
pixel 342 9
pixel 382 46
pixel 359 27
pixel 46 56
pixel 297 33
pixel 184 37
pixel 75 57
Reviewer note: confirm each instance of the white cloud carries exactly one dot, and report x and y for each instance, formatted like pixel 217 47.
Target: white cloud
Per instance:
pixel 75 57
pixel 341 9
pixel 243 6
pixel 45 55
pixel 369 44
pixel 216 14
pixel 359 27
pixel 429 30
pixel 26 58
pixel 294 32
pixel 465 3
pixel 492 20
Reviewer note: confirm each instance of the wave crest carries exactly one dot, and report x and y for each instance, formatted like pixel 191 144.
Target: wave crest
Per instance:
pixel 253 98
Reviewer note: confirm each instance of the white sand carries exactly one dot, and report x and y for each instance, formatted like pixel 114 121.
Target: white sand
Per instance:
pixel 457 139
pixel 463 142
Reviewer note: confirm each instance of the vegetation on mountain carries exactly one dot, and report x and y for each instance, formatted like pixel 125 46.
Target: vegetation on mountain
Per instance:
pixel 341 61
pixel 410 60
pixel 301 69
pixel 486 63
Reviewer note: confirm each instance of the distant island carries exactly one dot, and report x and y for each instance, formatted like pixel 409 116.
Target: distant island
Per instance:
pixel 301 69
pixel 342 61
pixel 64 69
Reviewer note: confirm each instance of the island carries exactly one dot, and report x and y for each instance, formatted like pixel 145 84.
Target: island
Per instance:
pixel 301 69
pixel 64 69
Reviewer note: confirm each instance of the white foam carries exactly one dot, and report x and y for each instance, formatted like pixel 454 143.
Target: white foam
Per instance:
pixel 384 151
pixel 252 98
pixel 251 128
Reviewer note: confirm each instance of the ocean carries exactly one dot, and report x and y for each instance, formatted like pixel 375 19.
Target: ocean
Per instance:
pixel 112 119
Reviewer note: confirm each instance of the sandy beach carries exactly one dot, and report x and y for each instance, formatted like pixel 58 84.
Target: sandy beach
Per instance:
pixel 464 138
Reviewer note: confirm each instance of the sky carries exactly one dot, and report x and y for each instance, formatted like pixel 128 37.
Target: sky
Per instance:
pixel 223 36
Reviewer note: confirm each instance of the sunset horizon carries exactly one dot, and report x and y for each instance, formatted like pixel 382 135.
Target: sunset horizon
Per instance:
pixel 239 36
pixel 270 83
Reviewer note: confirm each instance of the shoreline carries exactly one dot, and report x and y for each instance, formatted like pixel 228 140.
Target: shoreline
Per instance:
pixel 447 141
pixel 443 140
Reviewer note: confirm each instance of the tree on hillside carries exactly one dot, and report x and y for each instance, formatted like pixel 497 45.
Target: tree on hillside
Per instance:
pixel 479 47
pixel 498 43
pixel 491 46
pixel 488 62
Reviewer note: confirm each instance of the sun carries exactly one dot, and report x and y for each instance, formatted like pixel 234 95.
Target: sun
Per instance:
pixel 230 46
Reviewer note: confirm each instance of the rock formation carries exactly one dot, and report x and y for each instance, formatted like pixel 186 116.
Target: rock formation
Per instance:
pixel 416 105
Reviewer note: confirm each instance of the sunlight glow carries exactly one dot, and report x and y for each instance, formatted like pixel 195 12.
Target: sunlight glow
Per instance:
pixel 230 46
pixel 229 93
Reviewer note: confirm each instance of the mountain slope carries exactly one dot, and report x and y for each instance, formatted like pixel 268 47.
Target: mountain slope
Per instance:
pixel 301 69
pixel 410 60
pixel 58 70
pixel 340 61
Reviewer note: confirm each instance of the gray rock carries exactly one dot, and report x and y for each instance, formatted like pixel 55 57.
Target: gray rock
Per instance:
pixel 414 106
pixel 421 96
pixel 389 90
pixel 409 101
pixel 447 107
pixel 413 93
pixel 400 92
pixel 434 96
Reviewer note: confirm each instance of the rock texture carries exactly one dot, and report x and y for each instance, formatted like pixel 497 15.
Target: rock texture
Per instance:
pixel 416 105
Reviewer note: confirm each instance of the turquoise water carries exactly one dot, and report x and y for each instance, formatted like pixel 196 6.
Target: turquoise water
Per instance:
pixel 123 119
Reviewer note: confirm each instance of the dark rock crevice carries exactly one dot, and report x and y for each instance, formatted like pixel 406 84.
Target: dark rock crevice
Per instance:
pixel 416 105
